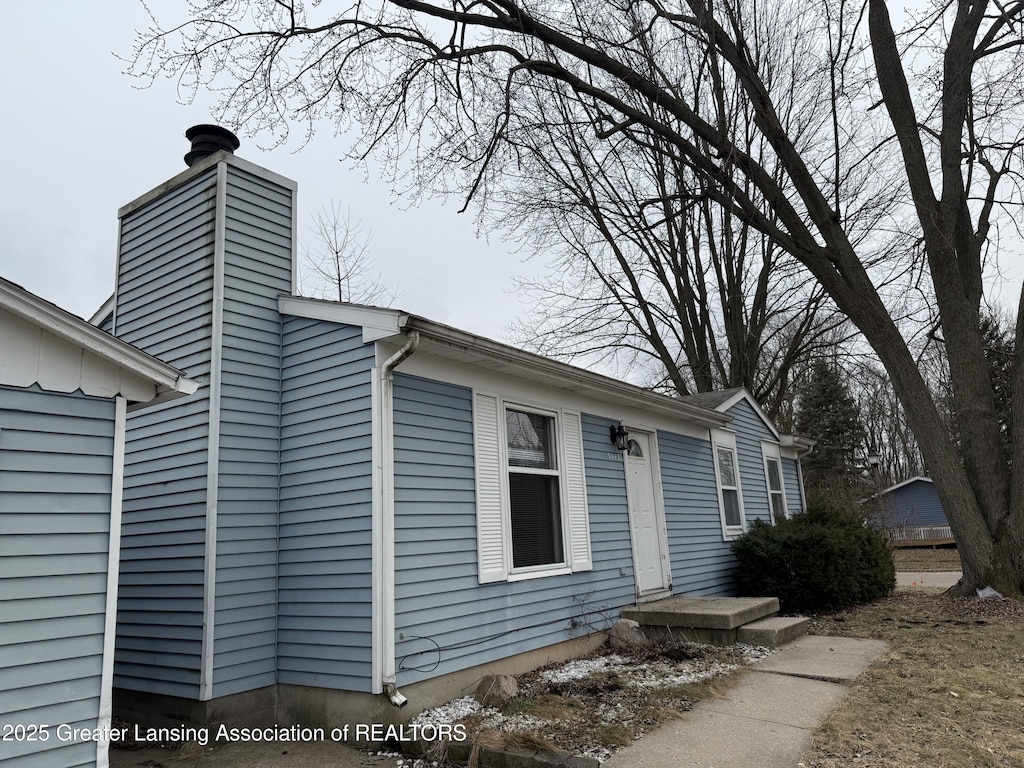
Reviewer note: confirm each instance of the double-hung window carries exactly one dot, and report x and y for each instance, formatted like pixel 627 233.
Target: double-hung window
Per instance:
pixel 535 509
pixel 773 479
pixel 530 490
pixel 730 495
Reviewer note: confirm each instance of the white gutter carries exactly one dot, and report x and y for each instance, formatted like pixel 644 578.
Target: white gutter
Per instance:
pixel 385 583
pixel 557 373
pixel 379 323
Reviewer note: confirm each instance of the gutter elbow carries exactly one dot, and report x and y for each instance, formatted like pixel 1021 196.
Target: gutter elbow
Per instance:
pixel 394 695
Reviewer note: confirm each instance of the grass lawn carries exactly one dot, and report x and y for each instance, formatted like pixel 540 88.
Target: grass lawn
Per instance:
pixel 926 559
pixel 948 691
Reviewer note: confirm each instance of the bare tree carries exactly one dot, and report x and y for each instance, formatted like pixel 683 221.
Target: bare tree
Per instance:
pixel 861 148
pixel 645 267
pixel 338 265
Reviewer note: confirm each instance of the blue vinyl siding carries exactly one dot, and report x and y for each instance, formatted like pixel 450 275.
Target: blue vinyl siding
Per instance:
pixel 915 504
pixel 164 306
pixel 257 269
pixel 791 482
pixel 56 460
pixel 702 563
pixel 448 619
pixel 750 431
pixel 324 580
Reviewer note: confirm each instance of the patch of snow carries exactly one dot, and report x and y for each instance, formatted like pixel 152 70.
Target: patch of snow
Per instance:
pixel 657 676
pixel 579 669
pixel 451 712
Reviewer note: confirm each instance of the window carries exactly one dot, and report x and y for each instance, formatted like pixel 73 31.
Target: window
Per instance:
pixel 727 474
pixel 773 478
pixel 533 489
pixel 530 490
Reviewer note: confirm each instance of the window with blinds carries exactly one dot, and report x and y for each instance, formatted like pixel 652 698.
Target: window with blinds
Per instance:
pixel 533 483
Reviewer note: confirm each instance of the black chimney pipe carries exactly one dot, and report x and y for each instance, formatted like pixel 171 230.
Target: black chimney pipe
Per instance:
pixel 207 139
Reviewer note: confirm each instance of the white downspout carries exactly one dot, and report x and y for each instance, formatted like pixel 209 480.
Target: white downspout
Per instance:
pixel 386 620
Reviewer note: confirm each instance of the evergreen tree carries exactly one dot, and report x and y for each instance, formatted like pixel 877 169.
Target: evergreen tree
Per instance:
pixel 828 414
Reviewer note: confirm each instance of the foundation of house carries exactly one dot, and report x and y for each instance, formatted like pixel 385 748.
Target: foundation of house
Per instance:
pixel 307 706
pixel 719 620
pixel 252 709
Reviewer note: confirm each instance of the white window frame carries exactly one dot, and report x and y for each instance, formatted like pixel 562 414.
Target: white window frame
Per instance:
pixel 770 452
pixel 725 439
pixel 558 472
pixel 494 515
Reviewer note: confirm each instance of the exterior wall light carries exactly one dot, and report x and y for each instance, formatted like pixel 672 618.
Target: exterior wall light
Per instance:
pixel 620 437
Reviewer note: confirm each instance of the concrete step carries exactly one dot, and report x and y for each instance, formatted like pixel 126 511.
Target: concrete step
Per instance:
pixel 713 620
pixel 702 612
pixel 773 631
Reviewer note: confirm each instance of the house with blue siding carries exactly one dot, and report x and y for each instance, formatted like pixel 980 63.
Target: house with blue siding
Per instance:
pixel 362 508
pixel 66 389
pixel 913 511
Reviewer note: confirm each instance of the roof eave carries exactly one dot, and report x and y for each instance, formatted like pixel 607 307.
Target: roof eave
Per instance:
pixel 169 381
pixel 564 373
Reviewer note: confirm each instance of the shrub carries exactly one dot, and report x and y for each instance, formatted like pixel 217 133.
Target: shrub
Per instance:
pixel 820 560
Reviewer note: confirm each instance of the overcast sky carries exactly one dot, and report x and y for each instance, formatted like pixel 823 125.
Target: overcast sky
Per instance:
pixel 80 139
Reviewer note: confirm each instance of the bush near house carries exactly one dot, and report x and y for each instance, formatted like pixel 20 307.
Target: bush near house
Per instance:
pixel 822 560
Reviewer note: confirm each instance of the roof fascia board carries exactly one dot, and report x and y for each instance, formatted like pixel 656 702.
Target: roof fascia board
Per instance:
pixel 169 381
pixel 908 481
pixel 377 323
pixel 105 309
pixel 801 444
pixel 567 374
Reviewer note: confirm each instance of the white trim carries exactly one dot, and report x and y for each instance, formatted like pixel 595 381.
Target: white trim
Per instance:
pixel 513 385
pixel 560 472
pixel 452 344
pixel 376 323
pixel 493 504
pixel 57 322
pixel 113 564
pixel 295 239
pixel 771 451
pixel 213 443
pixel 908 481
pixel 108 307
pixel 727 439
pixel 377 597
pixel 795 446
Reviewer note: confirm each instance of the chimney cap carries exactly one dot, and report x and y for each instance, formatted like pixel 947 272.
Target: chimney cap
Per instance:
pixel 207 139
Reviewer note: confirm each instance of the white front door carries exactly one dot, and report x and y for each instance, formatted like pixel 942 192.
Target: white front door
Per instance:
pixel 650 548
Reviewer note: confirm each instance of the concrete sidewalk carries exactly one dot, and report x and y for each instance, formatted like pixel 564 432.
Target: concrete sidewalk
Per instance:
pixel 768 718
pixel 940 579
